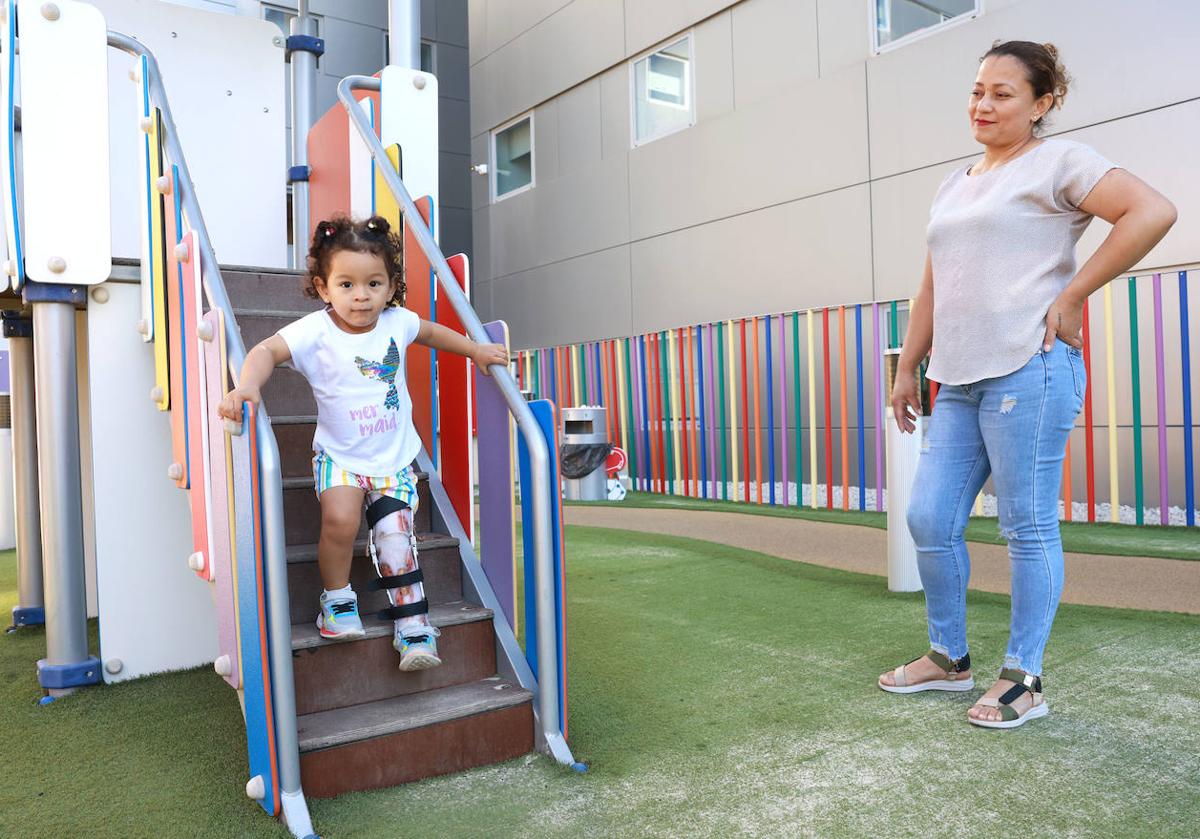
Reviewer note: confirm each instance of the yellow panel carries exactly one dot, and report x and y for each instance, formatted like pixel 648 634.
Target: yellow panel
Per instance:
pixel 385 203
pixel 158 258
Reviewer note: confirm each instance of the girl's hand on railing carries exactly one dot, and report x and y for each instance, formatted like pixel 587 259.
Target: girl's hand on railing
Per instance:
pixel 231 406
pixel 485 355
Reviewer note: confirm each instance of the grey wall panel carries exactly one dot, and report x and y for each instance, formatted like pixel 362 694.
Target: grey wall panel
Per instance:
pixel 481 266
pixel 479 183
pixel 359 49
pixel 453 71
pixel 577 300
pixel 712 52
pixel 1154 147
pixel 454 235
pixel 649 21
pixel 481 300
pixel 480 113
pixel 550 222
pixel 774 47
pixel 579 131
pixel 429 16
pixel 477 29
pixel 454 180
pixel 614 112
pixel 844 34
pixel 505 20
pixel 545 142
pixel 367 12
pixel 775 150
pixel 451 22
pixel 326 93
pixel 549 58
pixel 814 252
pixel 919 91
pixel 454 130
pixel 900 213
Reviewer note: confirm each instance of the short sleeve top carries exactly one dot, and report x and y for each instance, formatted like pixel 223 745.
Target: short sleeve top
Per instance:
pixel 1002 247
pixel 364 413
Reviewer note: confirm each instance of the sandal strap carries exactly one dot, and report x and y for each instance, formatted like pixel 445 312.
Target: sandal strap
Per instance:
pixel 946 663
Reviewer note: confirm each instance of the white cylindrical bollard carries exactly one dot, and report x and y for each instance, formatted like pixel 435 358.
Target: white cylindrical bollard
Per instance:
pixel 903 451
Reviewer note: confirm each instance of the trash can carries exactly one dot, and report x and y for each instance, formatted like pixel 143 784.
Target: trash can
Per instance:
pixel 583 453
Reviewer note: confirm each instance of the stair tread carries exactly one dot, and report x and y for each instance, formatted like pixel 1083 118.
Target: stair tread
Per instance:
pixel 326 729
pixel 425 541
pixel 306 635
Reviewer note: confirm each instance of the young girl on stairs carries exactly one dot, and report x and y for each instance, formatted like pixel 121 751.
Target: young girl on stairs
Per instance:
pixel 353 354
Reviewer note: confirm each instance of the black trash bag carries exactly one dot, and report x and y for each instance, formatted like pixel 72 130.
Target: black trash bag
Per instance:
pixel 581 459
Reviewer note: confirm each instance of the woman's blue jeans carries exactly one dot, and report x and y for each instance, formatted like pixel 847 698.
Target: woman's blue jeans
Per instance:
pixel 1014 428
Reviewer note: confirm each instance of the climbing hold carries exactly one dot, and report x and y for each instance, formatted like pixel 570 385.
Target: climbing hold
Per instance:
pixel 196 562
pixel 204 331
pixel 156 394
pixel 175 471
pixel 255 788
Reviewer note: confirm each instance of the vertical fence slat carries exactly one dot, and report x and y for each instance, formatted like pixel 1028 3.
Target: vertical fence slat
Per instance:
pixel 879 398
pixel 1089 437
pixel 1111 381
pixel 1185 349
pixel 1161 379
pixel 770 414
pixel 825 368
pixel 1136 385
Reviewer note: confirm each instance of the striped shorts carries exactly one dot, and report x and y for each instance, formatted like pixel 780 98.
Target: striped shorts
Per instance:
pixel 402 486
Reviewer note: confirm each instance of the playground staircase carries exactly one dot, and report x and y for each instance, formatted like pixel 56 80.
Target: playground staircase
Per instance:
pixel 362 723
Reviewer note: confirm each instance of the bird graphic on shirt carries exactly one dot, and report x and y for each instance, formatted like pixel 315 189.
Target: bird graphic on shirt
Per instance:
pixel 384 371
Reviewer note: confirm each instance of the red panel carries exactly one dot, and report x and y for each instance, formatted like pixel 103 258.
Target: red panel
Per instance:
pixel 454 410
pixel 197 468
pixel 175 341
pixel 419 301
pixel 329 159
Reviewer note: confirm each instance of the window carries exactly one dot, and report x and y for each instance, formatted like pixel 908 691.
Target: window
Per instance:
pixel 512 158
pixel 428 58
pixel 662 92
pixel 897 20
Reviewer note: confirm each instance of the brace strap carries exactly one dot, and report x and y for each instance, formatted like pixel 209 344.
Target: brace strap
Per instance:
pixel 398 581
pixel 406 610
pixel 381 508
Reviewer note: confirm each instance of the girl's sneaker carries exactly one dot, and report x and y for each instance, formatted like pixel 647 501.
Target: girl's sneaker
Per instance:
pixel 417 646
pixel 338 619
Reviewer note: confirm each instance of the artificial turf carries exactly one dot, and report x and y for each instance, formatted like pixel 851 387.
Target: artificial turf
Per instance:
pixel 1104 538
pixel 713 692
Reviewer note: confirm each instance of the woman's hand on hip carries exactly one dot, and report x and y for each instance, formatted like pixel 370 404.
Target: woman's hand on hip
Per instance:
pixel 1064 320
pixel 906 401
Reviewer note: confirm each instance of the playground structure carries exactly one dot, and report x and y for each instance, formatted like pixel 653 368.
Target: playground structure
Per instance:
pixel 231 559
pixel 748 409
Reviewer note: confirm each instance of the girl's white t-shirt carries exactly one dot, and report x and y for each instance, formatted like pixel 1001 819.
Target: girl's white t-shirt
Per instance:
pixel 364 413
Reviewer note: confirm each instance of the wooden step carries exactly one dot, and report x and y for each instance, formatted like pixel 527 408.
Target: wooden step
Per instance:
pixel 259 324
pixel 406 738
pixel 335 674
pixel 437 556
pixel 267 289
pixel 287 393
pixel 302 510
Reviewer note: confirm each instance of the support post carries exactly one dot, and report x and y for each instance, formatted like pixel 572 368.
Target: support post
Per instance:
pixel 404 33
pixel 67 664
pixel 303 47
pixel 30 608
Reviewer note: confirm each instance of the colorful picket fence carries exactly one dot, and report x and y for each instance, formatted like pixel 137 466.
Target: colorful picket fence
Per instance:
pixel 790 408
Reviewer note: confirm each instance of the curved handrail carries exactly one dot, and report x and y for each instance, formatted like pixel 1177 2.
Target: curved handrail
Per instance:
pixel 539 452
pixel 283 698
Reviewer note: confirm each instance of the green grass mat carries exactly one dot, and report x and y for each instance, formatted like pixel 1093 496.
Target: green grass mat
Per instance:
pixel 1078 537
pixel 714 692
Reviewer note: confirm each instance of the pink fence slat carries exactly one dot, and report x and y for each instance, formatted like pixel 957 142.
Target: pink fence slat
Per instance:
pixel 497 465
pixel 219 480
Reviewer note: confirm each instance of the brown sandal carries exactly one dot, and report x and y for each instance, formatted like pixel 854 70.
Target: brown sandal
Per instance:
pixel 952 681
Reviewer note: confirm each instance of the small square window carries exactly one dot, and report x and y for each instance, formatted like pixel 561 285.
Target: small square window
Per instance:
pixel 512 158
pixel 428 58
pixel 897 20
pixel 662 92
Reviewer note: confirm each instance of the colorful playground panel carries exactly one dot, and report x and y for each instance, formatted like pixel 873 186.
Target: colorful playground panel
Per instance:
pixel 148 195
pixel 173 336
pixel 497 519
pixel 362 166
pixel 546 414
pixel 158 262
pixel 15 275
pixel 251 606
pixel 219 480
pixel 454 411
pixel 386 204
pixel 329 160
pixel 195 403
pixel 419 365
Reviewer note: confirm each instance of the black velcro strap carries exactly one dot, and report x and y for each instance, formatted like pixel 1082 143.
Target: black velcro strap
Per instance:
pixel 963 664
pixel 383 507
pixel 406 610
pixel 398 581
pixel 1012 694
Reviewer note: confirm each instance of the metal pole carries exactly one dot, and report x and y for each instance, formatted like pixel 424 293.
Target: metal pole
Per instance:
pixel 539 452
pixel 304 106
pixel 283 698
pixel 29 609
pixel 404 33
pixel 62 502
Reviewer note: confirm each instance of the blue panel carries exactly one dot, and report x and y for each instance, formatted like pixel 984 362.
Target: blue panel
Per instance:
pixel 543 412
pixel 255 663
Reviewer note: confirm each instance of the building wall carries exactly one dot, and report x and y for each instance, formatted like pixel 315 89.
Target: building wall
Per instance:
pixel 807 177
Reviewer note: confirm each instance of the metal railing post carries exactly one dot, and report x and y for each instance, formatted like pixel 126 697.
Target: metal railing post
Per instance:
pixel 404 33
pixel 295 810
pixel 29 610
pixel 303 51
pixel 539 452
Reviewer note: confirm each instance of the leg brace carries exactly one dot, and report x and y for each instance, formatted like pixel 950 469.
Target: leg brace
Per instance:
pixel 393 546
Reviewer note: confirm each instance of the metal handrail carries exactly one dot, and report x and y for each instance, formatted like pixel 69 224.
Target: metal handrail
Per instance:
pixel 539 452
pixel 295 810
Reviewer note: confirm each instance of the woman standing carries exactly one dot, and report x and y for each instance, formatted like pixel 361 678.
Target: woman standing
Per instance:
pixel 1001 305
